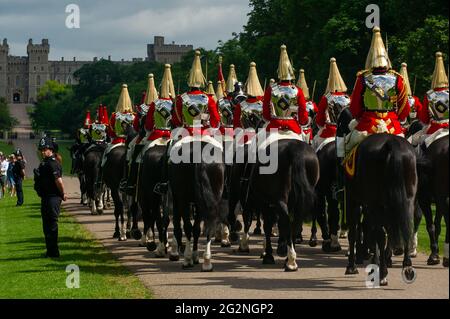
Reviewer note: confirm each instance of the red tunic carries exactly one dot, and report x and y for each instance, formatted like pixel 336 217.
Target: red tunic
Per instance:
pixel 368 120
pixel 214 117
pixel 237 111
pixel 150 124
pixel 424 116
pixel 291 124
pixel 329 130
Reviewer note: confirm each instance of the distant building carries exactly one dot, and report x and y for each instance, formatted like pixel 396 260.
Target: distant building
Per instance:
pixel 21 77
pixel 166 53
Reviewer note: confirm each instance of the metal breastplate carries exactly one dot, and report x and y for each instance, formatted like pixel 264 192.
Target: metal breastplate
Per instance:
pixel 336 103
pixel 163 114
pixel 122 119
pixel 251 114
pixel 226 112
pixel 438 105
pixel 84 133
pixel 195 108
pixel 143 110
pixel 98 132
pixel 380 92
pixel 284 101
pixel 412 104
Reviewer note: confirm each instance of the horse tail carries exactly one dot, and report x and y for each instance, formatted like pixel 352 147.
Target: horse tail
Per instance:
pixel 302 188
pixel 400 182
pixel 206 201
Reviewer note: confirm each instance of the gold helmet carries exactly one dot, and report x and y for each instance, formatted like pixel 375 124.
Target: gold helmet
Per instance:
pixel 404 74
pixel 378 56
pixel 219 90
pixel 196 77
pixel 124 104
pixel 167 87
pixel 285 69
pixel 253 86
pixel 151 94
pixel 440 79
pixel 335 81
pixel 302 84
pixel 210 90
pixel 232 79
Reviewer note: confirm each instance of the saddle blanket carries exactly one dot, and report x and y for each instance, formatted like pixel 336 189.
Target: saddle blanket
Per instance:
pixel 319 142
pixel 162 141
pixel 278 136
pixel 196 138
pixel 435 136
pixel 109 148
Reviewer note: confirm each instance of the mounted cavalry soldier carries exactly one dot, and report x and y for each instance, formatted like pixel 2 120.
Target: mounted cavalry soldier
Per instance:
pixel 195 109
pixel 331 104
pixel 159 123
pixel 311 106
pixel 138 143
pixel 434 113
pixel 83 140
pixel 284 104
pixel 379 101
pixel 414 101
pixel 98 130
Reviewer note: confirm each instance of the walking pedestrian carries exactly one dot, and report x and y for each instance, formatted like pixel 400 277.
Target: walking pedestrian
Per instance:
pixel 19 175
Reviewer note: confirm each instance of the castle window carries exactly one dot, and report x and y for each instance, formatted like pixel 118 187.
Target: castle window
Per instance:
pixel 17 81
pixel 39 58
pixel 70 70
pixel 38 80
pixel 35 68
pixel 42 68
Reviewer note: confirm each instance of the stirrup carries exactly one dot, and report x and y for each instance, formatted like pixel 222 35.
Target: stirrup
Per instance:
pixel 161 188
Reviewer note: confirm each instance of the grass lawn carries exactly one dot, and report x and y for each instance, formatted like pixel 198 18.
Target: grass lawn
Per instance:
pixel 26 274
pixel 6 149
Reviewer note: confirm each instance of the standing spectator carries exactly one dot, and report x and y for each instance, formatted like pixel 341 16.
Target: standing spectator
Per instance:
pixel 10 177
pixel 19 175
pixel 3 172
pixel 50 187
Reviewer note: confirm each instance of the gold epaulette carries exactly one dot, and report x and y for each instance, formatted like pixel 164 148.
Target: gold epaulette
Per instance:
pixel 362 72
pixel 394 72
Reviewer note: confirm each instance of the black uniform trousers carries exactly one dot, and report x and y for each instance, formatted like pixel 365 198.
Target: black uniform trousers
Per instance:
pixel 50 209
pixel 19 190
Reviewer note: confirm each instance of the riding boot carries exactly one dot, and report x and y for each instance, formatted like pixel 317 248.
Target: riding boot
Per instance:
pixel 162 187
pixel 245 181
pixel 132 172
pixel 338 188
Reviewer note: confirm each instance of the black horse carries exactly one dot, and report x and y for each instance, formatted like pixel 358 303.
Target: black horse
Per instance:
pixel 385 184
pixel 288 194
pixel 200 184
pixel 91 169
pixel 150 173
pixel 433 187
pixel 76 151
pixel 112 173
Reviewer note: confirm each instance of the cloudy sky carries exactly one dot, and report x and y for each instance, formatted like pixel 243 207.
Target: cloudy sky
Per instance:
pixel 120 28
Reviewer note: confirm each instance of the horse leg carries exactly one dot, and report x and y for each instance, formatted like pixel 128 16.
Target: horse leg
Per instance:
pixel 333 222
pixel 247 216
pixel 425 205
pixel 117 205
pixel 196 233
pixel 177 234
pixel 352 218
pixel 417 220
pixel 284 228
pixel 257 230
pixel 187 227
pixel 92 204
pixel 442 210
pixel 207 265
pixel 320 211
pixel 135 232
pixel 268 251
pixel 381 243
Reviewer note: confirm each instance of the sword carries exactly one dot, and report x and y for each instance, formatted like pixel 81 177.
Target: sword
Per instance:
pixel 314 90
pixel 414 88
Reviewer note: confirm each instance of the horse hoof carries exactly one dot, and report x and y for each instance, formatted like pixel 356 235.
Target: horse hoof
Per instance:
pixel 234 237
pixel 151 246
pixel 343 234
pixel 123 238
pixel 268 260
pixel 225 244
pixel 398 251
pixel 174 257
pixel 326 245
pixel 99 211
pixel 282 250
pixel 243 250
pixel 273 234
pixel 207 268
pixel 257 231
pixel 217 240
pixel 351 270
pixel 409 274
pixel 136 234
pixel 116 234
pixel 433 260
pixel 445 262
pixel 290 268
pixel 312 243
pixel 384 282
pixel 188 266
pixel 389 263
pixel 128 234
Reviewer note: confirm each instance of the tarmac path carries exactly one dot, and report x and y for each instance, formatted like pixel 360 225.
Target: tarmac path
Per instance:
pixel 320 276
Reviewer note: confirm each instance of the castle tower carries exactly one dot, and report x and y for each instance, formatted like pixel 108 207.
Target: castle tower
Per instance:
pixel 38 67
pixel 4 50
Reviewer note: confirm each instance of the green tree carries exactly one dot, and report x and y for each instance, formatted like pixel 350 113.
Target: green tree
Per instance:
pixel 6 120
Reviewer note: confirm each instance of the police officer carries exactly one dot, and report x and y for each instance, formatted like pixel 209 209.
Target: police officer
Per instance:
pixel 51 190
pixel 18 172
